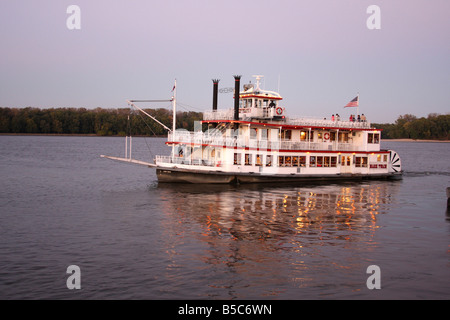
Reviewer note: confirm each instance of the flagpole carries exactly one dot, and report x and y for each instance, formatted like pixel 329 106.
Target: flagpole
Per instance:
pixel 174 124
pixel 357 107
pixel 174 104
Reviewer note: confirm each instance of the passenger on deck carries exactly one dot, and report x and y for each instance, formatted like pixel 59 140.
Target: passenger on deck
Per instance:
pixel 363 118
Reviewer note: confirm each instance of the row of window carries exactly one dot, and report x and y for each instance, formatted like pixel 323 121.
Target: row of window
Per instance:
pixel 309 135
pixel 300 161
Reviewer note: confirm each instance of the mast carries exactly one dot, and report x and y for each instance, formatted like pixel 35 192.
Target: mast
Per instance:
pixel 174 107
pixel 357 106
pixel 258 81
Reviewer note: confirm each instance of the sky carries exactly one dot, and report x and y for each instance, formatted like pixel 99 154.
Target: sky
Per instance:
pixel 319 54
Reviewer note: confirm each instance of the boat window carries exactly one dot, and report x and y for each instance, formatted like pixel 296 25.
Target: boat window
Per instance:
pixel 248 159
pixel 264 134
pixel 303 135
pixel 286 134
pixel 373 138
pixel 345 161
pixel 385 158
pixel 376 138
pixel 237 159
pixel 364 162
pixel 296 161
pixel 332 136
pixel 302 161
pixel 253 133
pixel 281 161
pixel 258 160
pixel 269 161
pixel 319 161
pixel 343 136
pixel 360 162
pixel 333 161
pixel 287 161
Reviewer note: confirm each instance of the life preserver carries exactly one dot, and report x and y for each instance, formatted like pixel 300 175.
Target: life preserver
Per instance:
pixel 279 111
pixel 326 136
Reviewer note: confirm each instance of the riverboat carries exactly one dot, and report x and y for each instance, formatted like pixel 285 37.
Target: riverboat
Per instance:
pixel 256 142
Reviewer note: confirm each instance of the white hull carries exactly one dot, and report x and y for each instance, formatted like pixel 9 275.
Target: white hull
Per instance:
pixel 179 175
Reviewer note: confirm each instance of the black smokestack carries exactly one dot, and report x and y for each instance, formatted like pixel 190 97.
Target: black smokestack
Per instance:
pixel 237 84
pixel 215 90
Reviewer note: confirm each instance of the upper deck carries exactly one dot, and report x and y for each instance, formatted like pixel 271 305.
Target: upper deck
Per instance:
pixel 257 121
pixel 255 105
pixel 256 115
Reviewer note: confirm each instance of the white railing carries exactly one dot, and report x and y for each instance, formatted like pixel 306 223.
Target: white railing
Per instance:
pixel 188 161
pixel 218 140
pixel 312 122
pixel 246 114
pixel 219 115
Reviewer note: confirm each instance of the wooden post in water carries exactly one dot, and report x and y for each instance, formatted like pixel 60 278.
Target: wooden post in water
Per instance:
pixel 448 197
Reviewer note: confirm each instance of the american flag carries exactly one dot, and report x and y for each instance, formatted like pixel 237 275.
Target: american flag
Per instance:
pixel 353 103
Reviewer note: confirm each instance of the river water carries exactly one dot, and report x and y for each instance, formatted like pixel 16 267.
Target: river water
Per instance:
pixel 132 238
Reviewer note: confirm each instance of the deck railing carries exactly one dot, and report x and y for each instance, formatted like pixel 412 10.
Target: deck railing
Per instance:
pixel 217 140
pixel 324 123
pixel 228 114
pixel 188 161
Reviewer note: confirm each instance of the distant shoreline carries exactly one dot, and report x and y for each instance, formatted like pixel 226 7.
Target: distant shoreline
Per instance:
pixel 95 135
pixel 73 135
pixel 415 140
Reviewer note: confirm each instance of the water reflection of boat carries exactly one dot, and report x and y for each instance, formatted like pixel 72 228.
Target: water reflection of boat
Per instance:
pixel 252 241
pixel 275 212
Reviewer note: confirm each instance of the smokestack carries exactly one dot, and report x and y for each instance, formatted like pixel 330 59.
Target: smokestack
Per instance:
pixel 215 90
pixel 237 84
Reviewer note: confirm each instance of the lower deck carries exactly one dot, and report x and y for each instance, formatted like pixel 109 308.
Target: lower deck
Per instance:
pixel 228 166
pixel 281 163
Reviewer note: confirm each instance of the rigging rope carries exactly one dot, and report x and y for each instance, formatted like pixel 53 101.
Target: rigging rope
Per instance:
pixel 145 138
pixel 183 106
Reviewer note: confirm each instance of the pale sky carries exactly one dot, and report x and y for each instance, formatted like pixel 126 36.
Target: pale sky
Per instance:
pixel 320 54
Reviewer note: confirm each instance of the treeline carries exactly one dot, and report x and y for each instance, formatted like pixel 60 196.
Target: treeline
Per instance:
pixel 434 127
pixel 92 121
pixel 115 122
